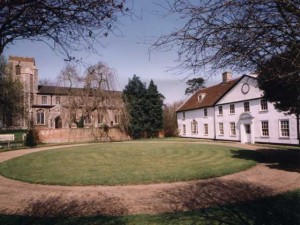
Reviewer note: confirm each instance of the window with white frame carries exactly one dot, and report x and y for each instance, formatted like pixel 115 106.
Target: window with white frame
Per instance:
pixel 205 112
pixel 183 115
pixel 221 129
pixel 263 105
pixel 205 129
pixel 246 107
pixel 220 110
pixel 40 117
pixel 183 129
pixel 44 100
pixel 265 128
pixel 232 129
pixel 284 128
pixel 194 126
pixel 232 108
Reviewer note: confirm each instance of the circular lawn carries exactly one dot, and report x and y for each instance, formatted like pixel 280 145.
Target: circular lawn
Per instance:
pixel 127 163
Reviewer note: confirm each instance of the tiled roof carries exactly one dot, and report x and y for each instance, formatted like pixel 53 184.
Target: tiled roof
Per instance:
pixel 212 95
pixel 57 90
pixel 23 59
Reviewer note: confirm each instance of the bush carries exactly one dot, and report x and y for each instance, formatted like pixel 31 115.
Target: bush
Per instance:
pixel 32 138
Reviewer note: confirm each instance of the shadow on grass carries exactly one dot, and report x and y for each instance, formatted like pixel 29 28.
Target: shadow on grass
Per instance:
pixel 230 202
pixel 283 159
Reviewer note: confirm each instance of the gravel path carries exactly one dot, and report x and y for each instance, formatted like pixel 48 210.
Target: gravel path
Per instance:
pixel 34 199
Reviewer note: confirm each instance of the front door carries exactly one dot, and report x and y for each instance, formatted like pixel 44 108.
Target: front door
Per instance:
pixel 58 122
pixel 247 133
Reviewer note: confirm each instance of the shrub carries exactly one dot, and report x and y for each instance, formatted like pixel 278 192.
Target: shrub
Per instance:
pixel 32 138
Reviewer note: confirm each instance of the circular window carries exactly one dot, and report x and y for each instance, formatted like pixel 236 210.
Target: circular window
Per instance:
pixel 245 88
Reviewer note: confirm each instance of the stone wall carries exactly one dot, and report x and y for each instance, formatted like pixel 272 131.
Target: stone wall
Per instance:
pixel 77 135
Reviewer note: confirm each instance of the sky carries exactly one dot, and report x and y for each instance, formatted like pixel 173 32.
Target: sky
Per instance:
pixel 127 53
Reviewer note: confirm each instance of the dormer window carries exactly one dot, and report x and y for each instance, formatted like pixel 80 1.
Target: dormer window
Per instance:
pixel 201 97
pixel 18 70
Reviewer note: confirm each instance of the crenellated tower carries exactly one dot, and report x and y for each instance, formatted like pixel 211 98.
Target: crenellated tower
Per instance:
pixel 24 69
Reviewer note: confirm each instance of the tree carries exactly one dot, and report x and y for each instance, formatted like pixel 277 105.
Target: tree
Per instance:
pixel 279 79
pixel 100 96
pixel 69 24
pixel 153 110
pixel 135 95
pixel 145 108
pixel 170 119
pixel 225 34
pixel 12 107
pixel 194 85
pixel 92 97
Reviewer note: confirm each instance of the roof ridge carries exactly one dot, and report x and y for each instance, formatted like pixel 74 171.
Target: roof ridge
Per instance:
pixel 213 94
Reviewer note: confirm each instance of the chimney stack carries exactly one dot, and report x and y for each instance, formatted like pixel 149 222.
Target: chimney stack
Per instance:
pixel 227 76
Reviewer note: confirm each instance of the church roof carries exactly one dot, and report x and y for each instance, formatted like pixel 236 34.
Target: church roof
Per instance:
pixel 57 90
pixel 211 96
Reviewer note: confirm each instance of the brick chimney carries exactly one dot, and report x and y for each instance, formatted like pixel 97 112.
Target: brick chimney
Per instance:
pixel 227 76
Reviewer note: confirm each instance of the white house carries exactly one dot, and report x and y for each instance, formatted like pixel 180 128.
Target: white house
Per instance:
pixel 235 110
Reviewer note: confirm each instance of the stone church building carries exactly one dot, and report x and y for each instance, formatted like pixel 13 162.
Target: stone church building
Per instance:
pixel 50 106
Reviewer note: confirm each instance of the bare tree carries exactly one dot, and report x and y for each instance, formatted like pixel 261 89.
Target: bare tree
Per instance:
pixel 92 99
pixel 231 34
pixel 68 24
pixel 103 99
pixel 170 119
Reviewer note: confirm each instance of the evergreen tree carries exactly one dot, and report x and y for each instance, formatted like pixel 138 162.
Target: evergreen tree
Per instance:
pixel 194 85
pixel 135 94
pixel 154 111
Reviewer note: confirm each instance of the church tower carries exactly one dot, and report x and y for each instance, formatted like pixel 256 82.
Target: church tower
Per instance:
pixel 24 69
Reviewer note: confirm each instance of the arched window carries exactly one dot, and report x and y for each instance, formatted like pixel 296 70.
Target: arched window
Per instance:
pixel 18 70
pixel 40 117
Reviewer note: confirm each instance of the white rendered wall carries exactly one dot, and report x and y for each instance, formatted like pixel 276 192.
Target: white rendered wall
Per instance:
pixel 254 117
pixel 198 116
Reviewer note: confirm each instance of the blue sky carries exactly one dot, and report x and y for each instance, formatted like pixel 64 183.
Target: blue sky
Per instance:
pixel 127 53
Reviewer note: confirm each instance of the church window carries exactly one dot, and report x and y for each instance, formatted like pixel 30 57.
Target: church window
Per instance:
pixel 57 100
pixel 117 119
pixel 18 70
pixel 40 117
pixel 87 119
pixel 44 100
pixel 100 118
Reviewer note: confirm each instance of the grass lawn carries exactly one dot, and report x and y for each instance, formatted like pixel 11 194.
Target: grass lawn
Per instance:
pixel 128 163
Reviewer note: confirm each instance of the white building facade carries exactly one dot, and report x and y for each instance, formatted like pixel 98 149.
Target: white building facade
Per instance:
pixel 235 110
